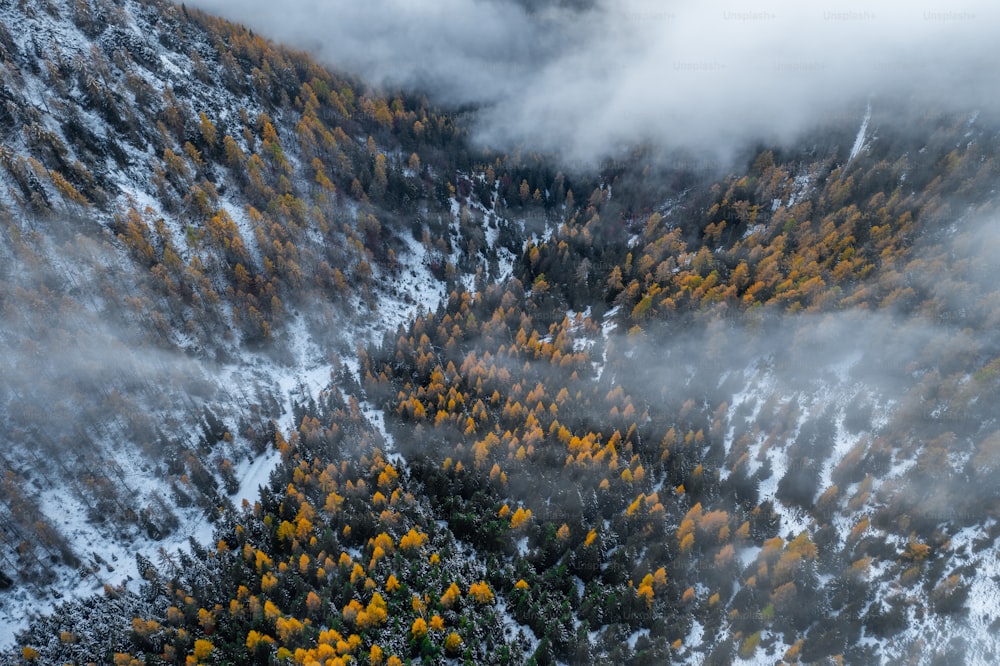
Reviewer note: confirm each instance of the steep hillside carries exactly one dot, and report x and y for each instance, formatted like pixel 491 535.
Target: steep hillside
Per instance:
pixel 196 225
pixel 788 451
pixel 501 413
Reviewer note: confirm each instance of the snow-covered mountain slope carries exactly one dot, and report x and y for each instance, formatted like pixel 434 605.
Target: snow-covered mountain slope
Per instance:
pixel 820 425
pixel 250 301
pixel 197 228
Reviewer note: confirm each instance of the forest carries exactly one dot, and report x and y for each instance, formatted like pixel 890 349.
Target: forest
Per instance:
pixel 654 414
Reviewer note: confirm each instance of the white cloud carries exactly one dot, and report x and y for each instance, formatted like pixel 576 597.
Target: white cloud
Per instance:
pixel 586 81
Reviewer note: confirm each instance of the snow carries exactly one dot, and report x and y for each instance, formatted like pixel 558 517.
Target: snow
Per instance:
pixel 240 217
pixel 376 417
pixel 104 561
pixel 413 288
pixel 511 626
pixel 976 627
pixel 634 637
pixel 109 549
pixel 696 635
pixel 984 588
pixel 859 141
pixel 833 385
pixel 254 475
pixel 580 587
pixel 171 67
pixel 748 555
pixel 607 327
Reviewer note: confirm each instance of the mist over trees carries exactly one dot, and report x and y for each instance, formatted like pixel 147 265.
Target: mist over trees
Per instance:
pixel 520 407
pixel 588 81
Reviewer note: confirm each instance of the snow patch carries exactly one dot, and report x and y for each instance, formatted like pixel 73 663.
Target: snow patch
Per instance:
pixel 859 140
